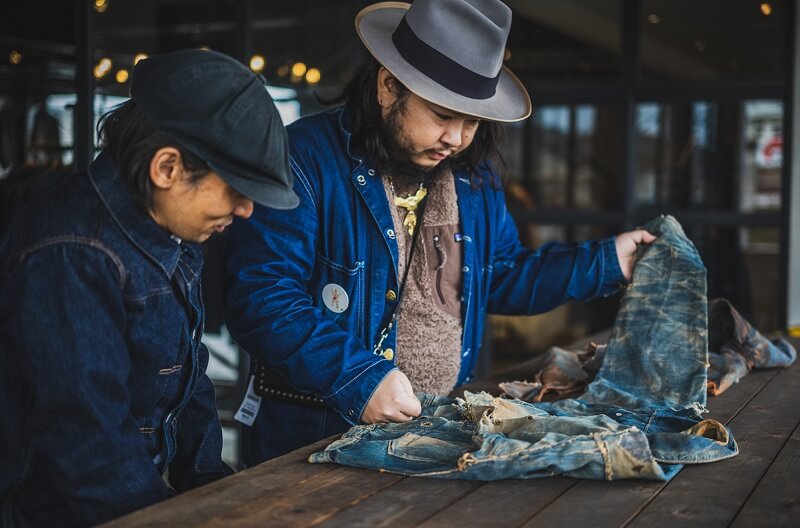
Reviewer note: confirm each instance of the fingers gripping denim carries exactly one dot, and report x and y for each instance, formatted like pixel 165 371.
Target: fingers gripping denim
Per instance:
pixel 640 418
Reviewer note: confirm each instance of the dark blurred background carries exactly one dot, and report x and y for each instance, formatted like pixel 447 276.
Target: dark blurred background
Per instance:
pixel 641 107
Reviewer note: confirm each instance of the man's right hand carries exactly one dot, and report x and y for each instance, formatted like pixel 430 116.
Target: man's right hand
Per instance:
pixel 392 401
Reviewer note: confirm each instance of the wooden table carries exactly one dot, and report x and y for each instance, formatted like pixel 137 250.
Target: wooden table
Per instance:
pixel 759 487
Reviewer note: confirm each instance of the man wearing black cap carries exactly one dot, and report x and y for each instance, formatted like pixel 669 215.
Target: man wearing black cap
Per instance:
pixel 102 372
pixel 378 284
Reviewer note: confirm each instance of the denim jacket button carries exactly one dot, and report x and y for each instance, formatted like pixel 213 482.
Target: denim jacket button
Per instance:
pixel 465 269
pixel 391 295
pixel 390 233
pixel 388 354
pixel 361 179
pixel 371 172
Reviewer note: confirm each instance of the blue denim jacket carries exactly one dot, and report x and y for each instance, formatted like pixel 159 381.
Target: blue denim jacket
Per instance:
pixel 640 418
pixel 278 262
pixel 102 384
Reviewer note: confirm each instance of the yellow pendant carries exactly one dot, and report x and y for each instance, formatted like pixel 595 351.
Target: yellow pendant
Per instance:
pixel 410 204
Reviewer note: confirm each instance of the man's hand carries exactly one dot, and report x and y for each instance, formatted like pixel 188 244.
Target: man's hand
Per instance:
pixel 392 401
pixel 626 244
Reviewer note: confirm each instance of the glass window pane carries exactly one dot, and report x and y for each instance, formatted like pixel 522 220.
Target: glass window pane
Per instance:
pixel 743 266
pixel 563 40
pixel 724 156
pixel 576 158
pixel 713 39
pixel 125 30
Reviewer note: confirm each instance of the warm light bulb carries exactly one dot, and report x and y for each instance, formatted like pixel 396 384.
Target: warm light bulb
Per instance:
pixel 766 8
pixel 313 76
pixel 257 63
pixel 299 69
pixel 102 68
pixel 139 57
pixel 15 57
pixel 100 5
pixel 122 76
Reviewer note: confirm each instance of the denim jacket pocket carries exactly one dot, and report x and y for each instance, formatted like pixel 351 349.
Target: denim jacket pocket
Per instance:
pixel 341 292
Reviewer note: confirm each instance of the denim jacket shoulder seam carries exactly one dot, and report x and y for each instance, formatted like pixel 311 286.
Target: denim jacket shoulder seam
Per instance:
pixel 85 241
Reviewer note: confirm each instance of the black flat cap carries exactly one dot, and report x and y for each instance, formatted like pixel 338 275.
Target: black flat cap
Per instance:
pixel 221 111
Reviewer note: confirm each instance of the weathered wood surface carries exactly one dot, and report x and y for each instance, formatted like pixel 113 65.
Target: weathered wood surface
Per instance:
pixel 760 487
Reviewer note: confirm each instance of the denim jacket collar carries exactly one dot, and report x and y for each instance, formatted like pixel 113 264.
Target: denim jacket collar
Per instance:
pixel 138 226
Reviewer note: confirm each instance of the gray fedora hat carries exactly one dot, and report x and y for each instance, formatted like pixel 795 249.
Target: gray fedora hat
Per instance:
pixel 449 52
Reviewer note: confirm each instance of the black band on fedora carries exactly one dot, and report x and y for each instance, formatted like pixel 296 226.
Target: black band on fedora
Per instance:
pixel 441 68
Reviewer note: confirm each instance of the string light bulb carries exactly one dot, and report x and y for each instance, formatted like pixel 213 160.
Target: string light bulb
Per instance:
pixel 122 76
pixel 257 63
pixel 100 5
pixel 14 57
pixel 313 76
pixel 766 8
pixel 299 69
pixel 102 68
pixel 139 57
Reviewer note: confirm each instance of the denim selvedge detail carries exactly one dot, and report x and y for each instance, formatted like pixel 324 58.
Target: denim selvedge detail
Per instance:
pixel 640 418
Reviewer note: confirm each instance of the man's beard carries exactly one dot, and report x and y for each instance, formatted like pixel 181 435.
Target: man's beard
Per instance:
pixel 398 145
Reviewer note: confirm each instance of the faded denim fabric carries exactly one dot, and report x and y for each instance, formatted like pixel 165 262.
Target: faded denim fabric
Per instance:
pixel 640 418
pixel 102 369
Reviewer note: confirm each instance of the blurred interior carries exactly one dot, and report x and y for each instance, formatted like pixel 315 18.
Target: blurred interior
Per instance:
pixel 641 107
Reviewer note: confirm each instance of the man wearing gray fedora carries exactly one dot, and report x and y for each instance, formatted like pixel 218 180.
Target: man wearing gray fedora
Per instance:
pixel 378 284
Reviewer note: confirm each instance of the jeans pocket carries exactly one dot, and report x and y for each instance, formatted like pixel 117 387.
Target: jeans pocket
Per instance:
pixel 424 448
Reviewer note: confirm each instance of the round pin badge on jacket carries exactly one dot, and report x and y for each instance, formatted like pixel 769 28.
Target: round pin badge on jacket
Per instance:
pixel 335 298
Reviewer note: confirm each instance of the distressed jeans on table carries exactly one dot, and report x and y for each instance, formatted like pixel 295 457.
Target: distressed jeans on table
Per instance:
pixel 640 418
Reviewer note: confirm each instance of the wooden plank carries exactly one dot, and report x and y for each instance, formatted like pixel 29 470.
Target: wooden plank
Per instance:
pixel 316 501
pixel 407 503
pixel 501 503
pixel 247 485
pixel 712 495
pixel 776 500
pixel 600 503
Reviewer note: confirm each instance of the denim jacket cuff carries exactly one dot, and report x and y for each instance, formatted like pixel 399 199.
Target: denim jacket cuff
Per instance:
pixel 612 279
pixel 351 400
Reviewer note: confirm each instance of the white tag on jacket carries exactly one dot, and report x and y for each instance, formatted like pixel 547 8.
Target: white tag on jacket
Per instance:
pixel 248 410
pixel 335 298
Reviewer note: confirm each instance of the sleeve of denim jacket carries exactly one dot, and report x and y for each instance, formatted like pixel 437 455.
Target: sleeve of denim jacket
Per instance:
pixel 68 321
pixel 528 281
pixel 198 457
pixel 270 260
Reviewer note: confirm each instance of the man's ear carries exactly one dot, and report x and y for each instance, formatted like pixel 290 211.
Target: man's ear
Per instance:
pixel 387 88
pixel 166 167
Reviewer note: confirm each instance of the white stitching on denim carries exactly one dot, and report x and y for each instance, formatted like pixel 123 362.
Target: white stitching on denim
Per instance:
pixel 91 242
pixel 303 179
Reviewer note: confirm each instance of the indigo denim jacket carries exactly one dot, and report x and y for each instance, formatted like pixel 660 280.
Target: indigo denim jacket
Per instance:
pixel 640 418
pixel 278 263
pixel 102 384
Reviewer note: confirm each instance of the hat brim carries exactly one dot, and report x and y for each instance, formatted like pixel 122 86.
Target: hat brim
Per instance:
pixel 260 191
pixel 375 25
pixel 244 179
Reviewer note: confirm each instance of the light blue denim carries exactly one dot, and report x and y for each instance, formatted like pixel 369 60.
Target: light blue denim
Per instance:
pixel 640 418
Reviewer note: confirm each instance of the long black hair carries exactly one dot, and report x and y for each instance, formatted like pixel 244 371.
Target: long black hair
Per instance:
pixel 132 139
pixel 369 136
